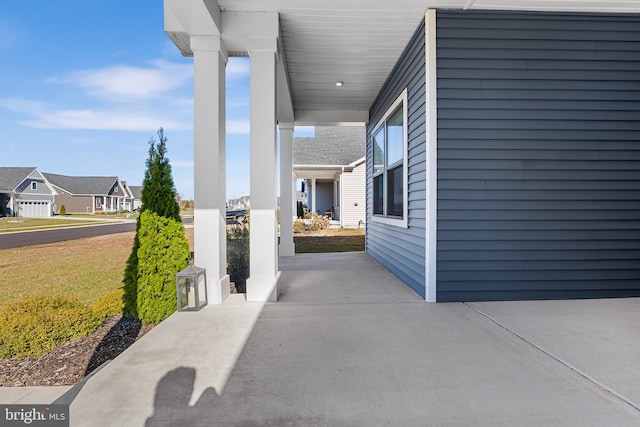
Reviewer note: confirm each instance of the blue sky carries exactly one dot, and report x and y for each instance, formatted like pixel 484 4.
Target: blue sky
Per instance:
pixel 86 84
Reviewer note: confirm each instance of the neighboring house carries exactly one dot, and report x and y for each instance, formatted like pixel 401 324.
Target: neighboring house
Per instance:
pixel 89 194
pixel 25 192
pixel 332 167
pixel 136 194
pixel 503 146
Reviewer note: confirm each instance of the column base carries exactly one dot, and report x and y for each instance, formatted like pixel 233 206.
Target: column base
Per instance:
pixel 287 249
pixel 218 290
pixel 263 290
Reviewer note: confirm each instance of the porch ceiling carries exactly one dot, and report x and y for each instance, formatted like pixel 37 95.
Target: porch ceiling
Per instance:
pixel 357 42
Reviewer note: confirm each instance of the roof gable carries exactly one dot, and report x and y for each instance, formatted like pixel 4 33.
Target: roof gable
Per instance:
pixel 12 177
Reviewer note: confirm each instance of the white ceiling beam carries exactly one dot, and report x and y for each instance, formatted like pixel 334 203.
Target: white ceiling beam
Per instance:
pixel 239 29
pixel 331 117
pixel 186 18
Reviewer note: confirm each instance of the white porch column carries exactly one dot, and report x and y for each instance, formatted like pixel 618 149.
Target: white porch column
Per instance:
pixel 287 247
pixel 209 215
pixel 264 274
pixel 313 195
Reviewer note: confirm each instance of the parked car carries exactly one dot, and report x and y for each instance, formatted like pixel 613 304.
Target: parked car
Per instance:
pixel 237 217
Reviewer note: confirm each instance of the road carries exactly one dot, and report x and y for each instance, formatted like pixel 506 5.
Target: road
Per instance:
pixel 20 239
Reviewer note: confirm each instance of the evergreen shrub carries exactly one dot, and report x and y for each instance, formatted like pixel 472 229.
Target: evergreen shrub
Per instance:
pixel 36 324
pixel 163 252
pixel 109 305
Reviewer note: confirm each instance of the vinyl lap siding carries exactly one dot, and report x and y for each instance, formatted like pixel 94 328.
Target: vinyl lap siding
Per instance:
pixel 353 192
pixel 401 250
pixel 538 156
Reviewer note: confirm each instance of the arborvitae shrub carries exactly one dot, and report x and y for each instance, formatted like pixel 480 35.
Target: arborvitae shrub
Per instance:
pixel 63 210
pixel 163 252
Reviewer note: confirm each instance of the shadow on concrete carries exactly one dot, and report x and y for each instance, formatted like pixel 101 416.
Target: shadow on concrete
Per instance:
pixel 171 404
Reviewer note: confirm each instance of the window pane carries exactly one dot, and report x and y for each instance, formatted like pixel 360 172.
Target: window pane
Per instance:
pixel 395 137
pixel 378 151
pixel 378 195
pixel 395 193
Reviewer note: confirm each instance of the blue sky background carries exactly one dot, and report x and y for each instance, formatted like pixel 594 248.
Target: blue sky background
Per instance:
pixel 86 83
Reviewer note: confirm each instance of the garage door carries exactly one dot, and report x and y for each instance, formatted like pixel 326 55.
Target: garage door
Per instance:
pixel 29 209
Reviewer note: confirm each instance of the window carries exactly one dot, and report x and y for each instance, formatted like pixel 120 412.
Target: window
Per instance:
pixel 115 189
pixel 34 185
pixel 389 142
pixel 98 202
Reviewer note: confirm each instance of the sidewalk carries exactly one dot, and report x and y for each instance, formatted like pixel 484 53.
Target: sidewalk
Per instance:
pixel 349 345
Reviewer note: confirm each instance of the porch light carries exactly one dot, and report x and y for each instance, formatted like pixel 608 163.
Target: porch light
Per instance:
pixel 191 287
pixel 339 84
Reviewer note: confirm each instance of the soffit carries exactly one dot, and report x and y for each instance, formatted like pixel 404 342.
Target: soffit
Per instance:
pixel 359 41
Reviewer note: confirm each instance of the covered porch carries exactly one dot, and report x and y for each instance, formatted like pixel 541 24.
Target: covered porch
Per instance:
pixel 307 69
pixel 349 344
pixel 322 63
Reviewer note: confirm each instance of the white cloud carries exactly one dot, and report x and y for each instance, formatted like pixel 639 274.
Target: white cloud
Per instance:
pixel 43 116
pixel 237 68
pixel 125 83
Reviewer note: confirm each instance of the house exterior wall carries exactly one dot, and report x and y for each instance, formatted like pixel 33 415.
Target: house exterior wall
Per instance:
pixel 399 249
pixel 352 208
pixel 538 155
pixel 73 204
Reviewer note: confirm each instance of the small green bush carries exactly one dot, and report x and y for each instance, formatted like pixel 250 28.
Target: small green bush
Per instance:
pixel 36 324
pixel 163 252
pixel 63 210
pixel 238 256
pixel 109 305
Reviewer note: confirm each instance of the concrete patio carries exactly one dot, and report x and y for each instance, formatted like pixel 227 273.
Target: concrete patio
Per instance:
pixel 349 345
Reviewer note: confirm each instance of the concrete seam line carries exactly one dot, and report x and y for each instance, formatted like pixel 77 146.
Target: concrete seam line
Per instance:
pixel 572 368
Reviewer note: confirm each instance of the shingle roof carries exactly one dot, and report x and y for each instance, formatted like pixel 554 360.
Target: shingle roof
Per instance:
pixel 82 184
pixel 136 191
pixel 11 177
pixel 332 145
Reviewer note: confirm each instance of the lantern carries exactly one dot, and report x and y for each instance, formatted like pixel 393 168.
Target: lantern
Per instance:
pixel 191 287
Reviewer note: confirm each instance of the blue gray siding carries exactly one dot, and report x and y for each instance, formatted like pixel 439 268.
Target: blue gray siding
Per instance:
pixel 538 155
pixel 402 250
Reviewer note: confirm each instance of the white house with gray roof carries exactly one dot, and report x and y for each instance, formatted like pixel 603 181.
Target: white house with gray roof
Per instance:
pixel 90 194
pixel 25 192
pixel 332 169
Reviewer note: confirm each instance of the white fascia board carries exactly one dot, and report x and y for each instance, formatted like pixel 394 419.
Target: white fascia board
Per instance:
pixel 357 162
pixel 331 117
pixel 612 6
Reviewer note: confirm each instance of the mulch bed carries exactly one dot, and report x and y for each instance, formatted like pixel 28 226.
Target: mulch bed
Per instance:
pixel 69 363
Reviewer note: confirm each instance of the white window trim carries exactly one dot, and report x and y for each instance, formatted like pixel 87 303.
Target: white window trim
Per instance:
pixel 34 185
pixel 404 221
